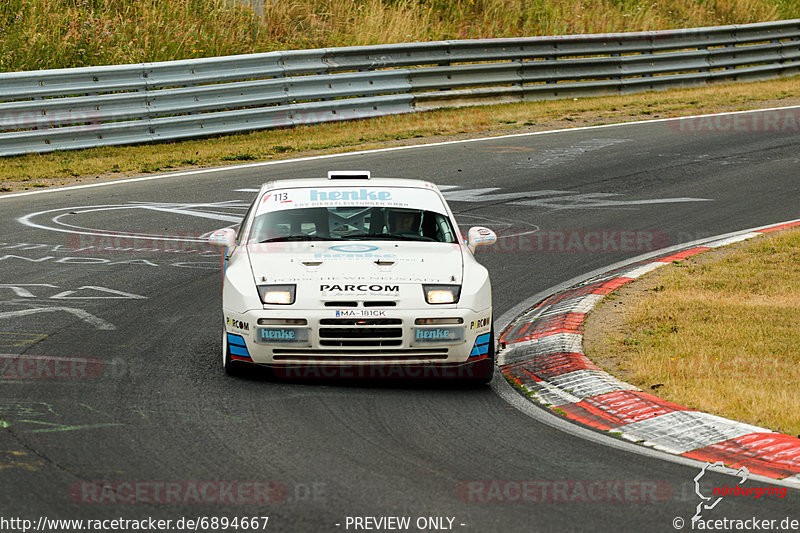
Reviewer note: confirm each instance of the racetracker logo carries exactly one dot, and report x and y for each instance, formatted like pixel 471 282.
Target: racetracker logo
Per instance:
pixel 46 367
pixel 774 121
pixel 120 242
pixel 178 492
pixel 85 121
pixel 577 241
pixel 564 491
pixel 382 371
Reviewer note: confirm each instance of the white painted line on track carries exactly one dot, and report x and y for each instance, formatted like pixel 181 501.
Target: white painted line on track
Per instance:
pixel 376 151
pixel 87 317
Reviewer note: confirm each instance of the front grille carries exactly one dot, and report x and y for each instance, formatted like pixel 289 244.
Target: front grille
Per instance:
pixel 341 304
pixel 380 304
pixel 354 303
pixel 360 322
pixel 361 332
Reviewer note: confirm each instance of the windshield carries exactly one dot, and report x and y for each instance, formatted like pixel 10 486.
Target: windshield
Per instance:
pixel 351 223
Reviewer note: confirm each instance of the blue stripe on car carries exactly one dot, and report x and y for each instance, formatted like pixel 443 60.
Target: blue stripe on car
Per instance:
pixel 237 346
pixel 481 346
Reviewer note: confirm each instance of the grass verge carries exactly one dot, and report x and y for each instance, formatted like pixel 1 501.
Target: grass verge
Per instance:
pixel 718 332
pixel 44 34
pixel 61 168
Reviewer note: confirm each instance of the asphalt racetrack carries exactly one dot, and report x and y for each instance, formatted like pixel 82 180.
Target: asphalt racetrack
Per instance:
pixel 113 402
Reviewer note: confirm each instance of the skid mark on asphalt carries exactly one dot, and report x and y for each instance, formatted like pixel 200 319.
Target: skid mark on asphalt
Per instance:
pixel 557 156
pixel 12 340
pixel 17 459
pixel 28 416
pixel 43 417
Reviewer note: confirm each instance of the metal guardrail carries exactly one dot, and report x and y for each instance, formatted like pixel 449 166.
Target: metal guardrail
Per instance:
pixel 43 111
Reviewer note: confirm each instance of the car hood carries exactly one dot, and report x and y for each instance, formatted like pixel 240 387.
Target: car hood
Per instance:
pixel 356 262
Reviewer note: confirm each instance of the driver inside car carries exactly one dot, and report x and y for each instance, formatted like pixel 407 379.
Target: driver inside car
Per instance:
pixel 404 221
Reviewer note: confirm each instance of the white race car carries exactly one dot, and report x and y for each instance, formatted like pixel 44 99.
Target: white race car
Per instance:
pixel 355 277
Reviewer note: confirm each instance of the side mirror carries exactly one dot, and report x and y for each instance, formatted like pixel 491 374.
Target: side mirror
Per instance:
pixel 225 237
pixel 480 236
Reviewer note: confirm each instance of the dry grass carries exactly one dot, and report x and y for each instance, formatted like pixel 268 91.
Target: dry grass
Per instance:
pixel 23 172
pixel 40 34
pixel 719 334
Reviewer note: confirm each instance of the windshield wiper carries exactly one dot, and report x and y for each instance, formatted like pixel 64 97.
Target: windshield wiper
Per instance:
pixel 298 238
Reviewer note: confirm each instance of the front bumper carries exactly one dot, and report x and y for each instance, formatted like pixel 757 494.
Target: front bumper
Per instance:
pixel 348 341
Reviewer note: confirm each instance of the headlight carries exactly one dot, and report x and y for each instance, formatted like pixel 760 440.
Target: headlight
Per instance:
pixel 277 294
pixel 441 294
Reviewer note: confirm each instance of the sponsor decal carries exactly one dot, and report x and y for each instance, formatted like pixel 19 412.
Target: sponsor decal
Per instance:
pixel 354 248
pixel 238 348
pixel 360 313
pixel 364 287
pixel 355 255
pixel 237 324
pixel 480 323
pixel 362 197
pixel 438 334
pixel 282 335
pixel 481 346
pixel 327 195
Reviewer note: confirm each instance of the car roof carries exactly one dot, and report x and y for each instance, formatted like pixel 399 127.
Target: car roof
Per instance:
pixel 364 183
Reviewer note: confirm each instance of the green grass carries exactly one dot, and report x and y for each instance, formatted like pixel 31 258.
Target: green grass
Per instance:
pixel 720 333
pixel 44 34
